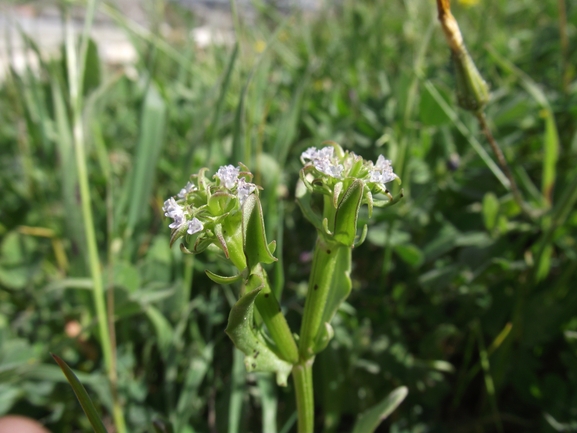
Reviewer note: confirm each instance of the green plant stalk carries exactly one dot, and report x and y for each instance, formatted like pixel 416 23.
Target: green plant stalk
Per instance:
pixel 266 303
pixel 75 69
pixel 303 382
pixel 269 309
pixel 324 260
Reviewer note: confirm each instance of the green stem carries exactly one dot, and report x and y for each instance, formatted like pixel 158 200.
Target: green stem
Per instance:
pixel 324 260
pixel 303 383
pixel 271 313
pixel 75 68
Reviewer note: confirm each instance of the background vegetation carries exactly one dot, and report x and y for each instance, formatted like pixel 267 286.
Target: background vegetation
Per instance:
pixel 457 294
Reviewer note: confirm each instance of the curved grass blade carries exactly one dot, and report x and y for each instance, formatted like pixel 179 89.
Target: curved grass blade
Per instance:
pixel 82 396
pixel 368 421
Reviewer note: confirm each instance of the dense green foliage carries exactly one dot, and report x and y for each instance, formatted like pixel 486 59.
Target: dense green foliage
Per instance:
pixel 456 293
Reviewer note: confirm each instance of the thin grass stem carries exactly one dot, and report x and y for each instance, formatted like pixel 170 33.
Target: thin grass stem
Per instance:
pixel 75 67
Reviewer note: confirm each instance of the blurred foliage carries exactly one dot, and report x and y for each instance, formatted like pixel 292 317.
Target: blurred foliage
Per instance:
pixel 456 295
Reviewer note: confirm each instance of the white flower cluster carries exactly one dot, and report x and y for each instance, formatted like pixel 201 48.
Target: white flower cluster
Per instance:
pixel 382 171
pixel 229 177
pixel 324 161
pixel 175 211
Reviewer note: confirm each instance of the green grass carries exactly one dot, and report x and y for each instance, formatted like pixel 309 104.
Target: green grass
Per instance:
pixel 456 294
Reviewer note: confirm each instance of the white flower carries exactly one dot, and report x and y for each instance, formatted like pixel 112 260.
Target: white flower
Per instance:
pixel 189 187
pixel 228 175
pixel 173 210
pixel 244 190
pixel 382 172
pixel 194 226
pixel 171 207
pixel 309 154
pixel 324 161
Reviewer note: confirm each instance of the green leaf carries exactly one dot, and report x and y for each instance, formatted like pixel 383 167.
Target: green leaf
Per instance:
pixel 341 286
pixel 368 421
pixel 17 262
pixel 255 245
pixel 197 370
pixel 347 214
pixel 490 210
pixel 92 74
pixel 139 188
pixel 164 331
pixel 410 254
pixel 82 396
pixel 268 398
pixel 258 355
pixel 219 279
pixel 544 263
pixel 550 156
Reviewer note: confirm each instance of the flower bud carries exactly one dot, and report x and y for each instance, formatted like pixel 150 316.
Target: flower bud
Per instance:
pixel 472 91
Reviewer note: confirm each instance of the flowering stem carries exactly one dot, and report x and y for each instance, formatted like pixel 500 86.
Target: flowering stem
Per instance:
pixel 324 260
pixel 303 383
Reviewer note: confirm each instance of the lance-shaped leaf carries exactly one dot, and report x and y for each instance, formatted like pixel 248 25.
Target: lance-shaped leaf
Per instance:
pixel 368 421
pixel 82 396
pixel 259 356
pixel 255 245
pixel 347 214
pixel 340 284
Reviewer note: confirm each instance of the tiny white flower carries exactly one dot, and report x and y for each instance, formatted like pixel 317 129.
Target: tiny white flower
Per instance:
pixel 228 176
pixel 244 190
pixel 194 226
pixel 324 161
pixel 173 210
pixel 179 221
pixel 189 187
pixel 170 207
pixel 309 154
pixel 382 171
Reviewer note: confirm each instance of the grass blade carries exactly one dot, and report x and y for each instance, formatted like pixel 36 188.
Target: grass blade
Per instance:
pixel 550 157
pixel 149 145
pixel 368 421
pixel 269 402
pixel 237 391
pixel 82 395
pixel 468 135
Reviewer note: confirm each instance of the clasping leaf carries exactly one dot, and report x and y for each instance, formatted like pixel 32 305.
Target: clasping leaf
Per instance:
pixel 259 356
